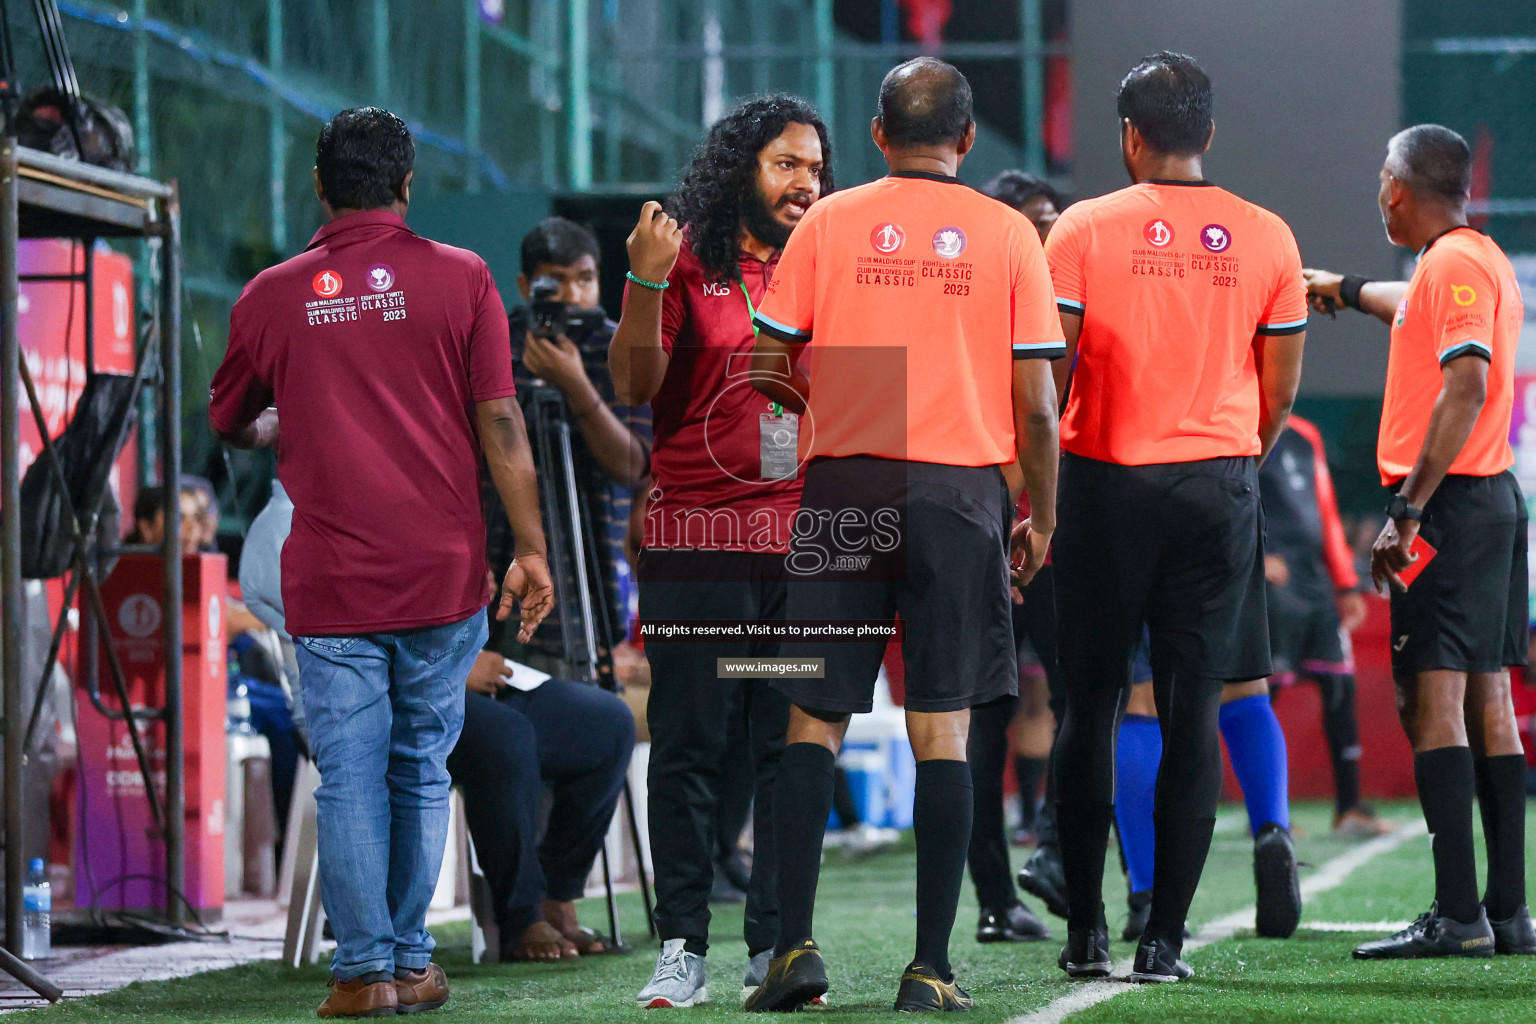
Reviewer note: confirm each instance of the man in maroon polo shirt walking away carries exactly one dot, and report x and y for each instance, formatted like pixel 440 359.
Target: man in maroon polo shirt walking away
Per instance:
pixel 389 357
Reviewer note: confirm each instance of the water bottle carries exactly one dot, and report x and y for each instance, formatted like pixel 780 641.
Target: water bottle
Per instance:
pixel 238 711
pixel 37 916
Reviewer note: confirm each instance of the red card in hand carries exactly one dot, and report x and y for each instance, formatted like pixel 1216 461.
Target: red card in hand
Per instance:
pixel 1424 553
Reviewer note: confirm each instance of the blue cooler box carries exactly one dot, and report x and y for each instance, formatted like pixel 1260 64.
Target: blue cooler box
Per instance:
pixel 882 776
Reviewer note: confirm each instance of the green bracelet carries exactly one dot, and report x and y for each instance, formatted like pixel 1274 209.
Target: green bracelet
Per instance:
pixel 652 285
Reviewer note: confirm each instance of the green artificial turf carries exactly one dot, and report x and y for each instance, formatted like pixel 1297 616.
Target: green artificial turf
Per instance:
pixel 865 926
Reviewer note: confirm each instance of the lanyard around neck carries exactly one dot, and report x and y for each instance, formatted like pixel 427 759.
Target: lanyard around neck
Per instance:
pixel 778 410
pixel 751 309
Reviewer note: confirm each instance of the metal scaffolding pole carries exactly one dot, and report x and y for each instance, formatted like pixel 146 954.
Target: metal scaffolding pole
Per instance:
pixel 1033 67
pixel 825 84
pixel 10 537
pixel 142 138
pixel 579 100
pixel 472 96
pixel 277 133
pixel 170 476
pixel 380 62
pixel 143 143
pixel 11 596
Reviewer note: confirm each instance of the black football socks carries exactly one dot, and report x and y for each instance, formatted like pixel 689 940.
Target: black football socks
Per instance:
pixel 1445 780
pixel 802 801
pixel 1501 798
pixel 941 821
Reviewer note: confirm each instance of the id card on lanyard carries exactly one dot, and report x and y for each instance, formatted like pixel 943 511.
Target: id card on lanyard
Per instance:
pixel 778 430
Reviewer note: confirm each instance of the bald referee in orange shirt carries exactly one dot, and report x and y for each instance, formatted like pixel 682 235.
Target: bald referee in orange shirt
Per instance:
pixel 916 315
pixel 1461 624
pixel 1184 310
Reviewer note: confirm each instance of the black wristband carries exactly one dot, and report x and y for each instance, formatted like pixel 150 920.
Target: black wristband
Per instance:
pixel 1349 290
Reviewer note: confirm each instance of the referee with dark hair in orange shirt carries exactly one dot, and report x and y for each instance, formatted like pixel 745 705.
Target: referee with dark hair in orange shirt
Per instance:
pixel 1185 310
pixel 1461 624
pixel 916 315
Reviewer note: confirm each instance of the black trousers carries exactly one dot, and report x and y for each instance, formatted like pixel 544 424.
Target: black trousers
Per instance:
pixel 573 737
pixel 987 750
pixel 738 785
pixel 1178 547
pixel 689 715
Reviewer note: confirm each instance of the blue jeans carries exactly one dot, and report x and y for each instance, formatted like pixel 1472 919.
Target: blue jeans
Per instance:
pixel 384 711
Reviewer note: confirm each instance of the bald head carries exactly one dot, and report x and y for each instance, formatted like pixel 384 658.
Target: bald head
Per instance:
pixel 924 102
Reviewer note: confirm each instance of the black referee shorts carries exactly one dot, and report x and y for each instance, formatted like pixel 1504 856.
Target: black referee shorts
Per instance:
pixel 876 537
pixel 1467 611
pixel 1177 546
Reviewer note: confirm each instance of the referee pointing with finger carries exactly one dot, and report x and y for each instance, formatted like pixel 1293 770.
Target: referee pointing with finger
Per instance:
pixel 916 316
pixel 1461 623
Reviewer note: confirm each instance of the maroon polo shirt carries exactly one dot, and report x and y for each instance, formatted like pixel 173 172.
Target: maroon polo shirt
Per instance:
pixel 374 344
pixel 706 459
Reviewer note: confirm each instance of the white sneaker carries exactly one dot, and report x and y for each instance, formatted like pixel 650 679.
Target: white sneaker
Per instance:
pixel 678 981
pixel 866 840
pixel 757 973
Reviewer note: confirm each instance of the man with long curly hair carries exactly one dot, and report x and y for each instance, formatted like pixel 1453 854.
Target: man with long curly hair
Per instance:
pixel 726 486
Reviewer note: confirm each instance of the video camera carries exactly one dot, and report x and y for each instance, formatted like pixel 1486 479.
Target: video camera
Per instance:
pixel 549 318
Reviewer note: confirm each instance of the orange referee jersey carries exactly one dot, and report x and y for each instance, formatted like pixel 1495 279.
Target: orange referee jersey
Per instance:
pixel 919 292
pixel 1461 301
pixel 1172 280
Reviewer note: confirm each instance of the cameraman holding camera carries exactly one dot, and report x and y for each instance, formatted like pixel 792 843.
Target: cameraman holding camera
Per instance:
pixel 569 349
pixel 527 723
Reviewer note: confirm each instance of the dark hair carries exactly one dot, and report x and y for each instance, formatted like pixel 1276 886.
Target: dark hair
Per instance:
pixel 1432 159
pixel 1017 188
pixel 559 243
pixel 713 195
pixel 924 102
pixel 1167 98
pixel 362 158
pixel 148 505
pixel 150 501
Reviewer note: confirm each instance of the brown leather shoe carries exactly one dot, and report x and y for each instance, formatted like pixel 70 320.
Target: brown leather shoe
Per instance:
pixel 371 995
pixel 420 991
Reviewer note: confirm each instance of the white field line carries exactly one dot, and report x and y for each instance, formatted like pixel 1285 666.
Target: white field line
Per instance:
pixel 1330 876
pixel 1354 926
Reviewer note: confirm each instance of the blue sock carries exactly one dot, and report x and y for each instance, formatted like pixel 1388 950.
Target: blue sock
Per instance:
pixel 1138 752
pixel 1257 748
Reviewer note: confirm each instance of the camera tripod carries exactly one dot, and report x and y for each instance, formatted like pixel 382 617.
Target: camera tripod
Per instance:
pixel 586 626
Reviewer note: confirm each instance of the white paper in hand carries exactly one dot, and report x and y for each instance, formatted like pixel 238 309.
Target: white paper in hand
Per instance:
pixel 523 677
